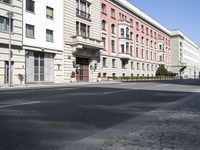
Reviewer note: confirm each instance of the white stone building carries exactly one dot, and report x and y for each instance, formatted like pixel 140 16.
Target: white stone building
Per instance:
pixel 17 60
pixel 43 40
pixel 184 53
pixel 82 39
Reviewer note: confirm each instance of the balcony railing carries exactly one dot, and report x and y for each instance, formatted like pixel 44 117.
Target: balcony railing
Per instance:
pixel 79 40
pixel 82 14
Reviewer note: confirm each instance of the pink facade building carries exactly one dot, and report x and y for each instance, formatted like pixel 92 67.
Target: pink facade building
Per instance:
pixel 134 43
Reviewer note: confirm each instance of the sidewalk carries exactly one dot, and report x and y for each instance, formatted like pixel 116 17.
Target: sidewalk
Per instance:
pixel 52 85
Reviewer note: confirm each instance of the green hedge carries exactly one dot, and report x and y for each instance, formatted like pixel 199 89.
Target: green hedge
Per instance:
pixel 135 78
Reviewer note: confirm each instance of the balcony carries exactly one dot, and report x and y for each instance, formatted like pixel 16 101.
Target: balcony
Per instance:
pixel 81 42
pixel 124 55
pixel 125 22
pixel 83 14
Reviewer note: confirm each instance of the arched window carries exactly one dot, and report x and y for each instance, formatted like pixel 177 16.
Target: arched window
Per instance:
pixel 137 38
pixel 155 45
pixel 147 42
pixel 103 25
pixel 131 35
pixel 127 33
pixel 113 29
pixel 142 40
pixel 151 43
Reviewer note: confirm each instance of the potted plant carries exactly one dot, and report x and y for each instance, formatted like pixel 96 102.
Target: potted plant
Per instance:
pixel 99 77
pixel 73 77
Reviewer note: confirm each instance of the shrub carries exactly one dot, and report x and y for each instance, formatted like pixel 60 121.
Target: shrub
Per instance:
pixel 73 74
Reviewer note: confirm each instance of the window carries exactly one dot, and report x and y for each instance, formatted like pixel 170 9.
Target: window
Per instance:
pixel 127 48
pixel 6 1
pixel 137 38
pixel 147 42
pixel 113 45
pixel 137 26
pixel 4 24
pixel 142 28
pixel 127 33
pixel 122 48
pixel 142 53
pixel 147 54
pixel 147 31
pixel 123 64
pixel 30 5
pixel 30 31
pixel 151 33
pixel 103 25
pixel 113 29
pixel 49 35
pixel 113 63
pixel 142 40
pixel 131 50
pixel 131 22
pixel 112 13
pixel 148 67
pixel 155 35
pixel 151 43
pixel 104 42
pixel 132 65
pixel 104 62
pixel 155 45
pixel 138 66
pixel 103 8
pixel 88 31
pixel 49 12
pixel 143 68
pixel 77 28
pixel 131 35
pixel 104 75
pixel 151 55
pixel 122 33
pixel 83 9
pixel 83 30
pixel 137 52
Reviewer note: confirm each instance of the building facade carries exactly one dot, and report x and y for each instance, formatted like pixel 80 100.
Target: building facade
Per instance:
pixel 43 40
pixel 82 39
pixel 17 53
pixel 134 43
pixel 185 54
pixel 79 40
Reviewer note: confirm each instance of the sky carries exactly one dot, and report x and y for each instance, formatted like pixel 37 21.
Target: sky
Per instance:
pixel 174 14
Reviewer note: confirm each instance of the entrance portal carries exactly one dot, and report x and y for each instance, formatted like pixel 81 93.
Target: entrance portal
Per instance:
pixel 82 74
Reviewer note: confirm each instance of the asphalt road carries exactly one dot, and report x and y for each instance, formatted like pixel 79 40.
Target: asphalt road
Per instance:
pixel 58 118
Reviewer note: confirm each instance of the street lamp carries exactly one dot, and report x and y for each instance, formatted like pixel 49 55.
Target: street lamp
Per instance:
pixel 10 15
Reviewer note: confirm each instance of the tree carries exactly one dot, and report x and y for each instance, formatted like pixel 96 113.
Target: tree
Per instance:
pixel 162 71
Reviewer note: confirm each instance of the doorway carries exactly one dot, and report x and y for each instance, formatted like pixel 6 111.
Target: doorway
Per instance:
pixel 6 72
pixel 82 74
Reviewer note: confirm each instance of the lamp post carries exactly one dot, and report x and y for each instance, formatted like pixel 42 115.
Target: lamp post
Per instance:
pixel 10 15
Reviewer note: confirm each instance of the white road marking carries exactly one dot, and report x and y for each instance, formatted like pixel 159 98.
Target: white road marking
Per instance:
pixel 20 104
pixel 111 92
pixel 162 85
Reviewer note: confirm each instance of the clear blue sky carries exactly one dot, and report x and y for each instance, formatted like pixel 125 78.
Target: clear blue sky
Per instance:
pixel 175 14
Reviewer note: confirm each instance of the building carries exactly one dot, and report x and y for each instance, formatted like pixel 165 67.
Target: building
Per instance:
pixel 53 40
pixel 134 43
pixel 17 53
pixel 185 55
pixel 43 40
pixel 82 39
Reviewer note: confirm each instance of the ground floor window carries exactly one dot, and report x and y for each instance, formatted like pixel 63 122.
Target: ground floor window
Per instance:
pixel 39 67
